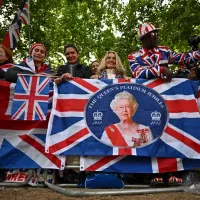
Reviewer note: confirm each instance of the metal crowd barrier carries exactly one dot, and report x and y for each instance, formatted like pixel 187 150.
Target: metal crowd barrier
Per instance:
pixel 81 193
pixel 74 163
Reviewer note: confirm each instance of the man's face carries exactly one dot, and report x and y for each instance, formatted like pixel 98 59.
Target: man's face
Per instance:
pixel 150 40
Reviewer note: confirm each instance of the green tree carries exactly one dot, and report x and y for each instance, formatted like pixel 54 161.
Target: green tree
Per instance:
pixel 97 26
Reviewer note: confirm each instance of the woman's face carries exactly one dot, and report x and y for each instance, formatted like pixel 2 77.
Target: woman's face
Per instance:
pixel 71 55
pixel 125 109
pixel 111 61
pixel 38 54
pixel 95 66
pixel 3 56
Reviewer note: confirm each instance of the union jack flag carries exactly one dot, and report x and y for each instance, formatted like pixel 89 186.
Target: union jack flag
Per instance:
pixel 12 36
pixel 5 67
pixel 24 15
pixel 136 164
pixel 31 98
pixel 23 140
pixel 69 134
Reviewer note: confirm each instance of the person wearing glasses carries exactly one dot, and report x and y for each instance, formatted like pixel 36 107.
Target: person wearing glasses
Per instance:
pixel 151 61
pixel 73 68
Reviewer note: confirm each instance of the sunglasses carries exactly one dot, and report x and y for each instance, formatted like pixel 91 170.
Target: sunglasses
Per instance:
pixel 154 33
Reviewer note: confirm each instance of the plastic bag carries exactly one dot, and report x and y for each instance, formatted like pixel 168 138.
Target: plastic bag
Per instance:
pixel 97 181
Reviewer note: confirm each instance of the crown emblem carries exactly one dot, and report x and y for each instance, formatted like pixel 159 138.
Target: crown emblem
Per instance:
pixel 155 116
pixel 97 115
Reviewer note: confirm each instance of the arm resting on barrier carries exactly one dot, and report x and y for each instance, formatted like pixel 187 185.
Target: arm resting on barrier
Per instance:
pixel 11 74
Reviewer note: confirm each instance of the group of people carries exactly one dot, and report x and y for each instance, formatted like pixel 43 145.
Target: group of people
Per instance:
pixel 149 62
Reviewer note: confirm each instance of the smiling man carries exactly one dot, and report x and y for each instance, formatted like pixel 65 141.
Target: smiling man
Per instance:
pixel 151 61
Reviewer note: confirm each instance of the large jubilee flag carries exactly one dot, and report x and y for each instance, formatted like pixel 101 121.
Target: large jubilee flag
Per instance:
pixel 165 119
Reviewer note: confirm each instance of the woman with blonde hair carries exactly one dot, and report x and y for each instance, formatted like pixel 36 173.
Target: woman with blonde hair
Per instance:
pixel 110 67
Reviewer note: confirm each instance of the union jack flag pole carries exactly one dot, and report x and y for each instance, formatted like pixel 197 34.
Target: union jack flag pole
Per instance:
pixel 29 29
pixel 22 16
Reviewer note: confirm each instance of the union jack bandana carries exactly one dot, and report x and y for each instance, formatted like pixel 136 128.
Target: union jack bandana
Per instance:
pixel 104 75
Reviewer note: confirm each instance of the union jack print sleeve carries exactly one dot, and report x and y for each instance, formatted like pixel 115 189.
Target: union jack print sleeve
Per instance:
pixel 150 64
pixel 142 70
pixel 184 58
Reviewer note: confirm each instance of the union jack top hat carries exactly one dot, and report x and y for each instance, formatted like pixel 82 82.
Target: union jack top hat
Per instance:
pixel 145 29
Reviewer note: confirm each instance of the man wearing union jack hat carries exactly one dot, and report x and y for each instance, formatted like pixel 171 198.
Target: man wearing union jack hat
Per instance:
pixel 151 61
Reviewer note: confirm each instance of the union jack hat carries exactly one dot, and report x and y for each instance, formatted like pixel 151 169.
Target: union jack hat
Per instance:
pixel 145 29
pixel 35 45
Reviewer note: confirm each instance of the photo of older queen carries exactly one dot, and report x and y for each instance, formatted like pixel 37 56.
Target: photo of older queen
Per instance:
pixel 126 132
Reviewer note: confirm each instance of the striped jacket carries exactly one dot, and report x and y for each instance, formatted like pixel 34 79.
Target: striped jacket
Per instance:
pixel 149 63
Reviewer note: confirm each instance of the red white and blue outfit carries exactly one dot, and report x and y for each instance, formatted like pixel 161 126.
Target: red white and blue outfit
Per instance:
pixel 4 67
pixel 149 64
pixel 104 75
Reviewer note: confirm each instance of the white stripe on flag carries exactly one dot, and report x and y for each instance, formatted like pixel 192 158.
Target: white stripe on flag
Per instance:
pixel 97 83
pixel 82 87
pixel 184 115
pixel 12 90
pixel 116 151
pixel 154 163
pixel 69 114
pixel 8 133
pixel 198 103
pixel 112 162
pixel 133 151
pixel 24 68
pixel 180 164
pixel 184 133
pixel 74 96
pixel 73 144
pixel 31 152
pixel 86 162
pixel 50 124
pixel 63 135
pixel 179 146
pixel 178 97
pixel 166 86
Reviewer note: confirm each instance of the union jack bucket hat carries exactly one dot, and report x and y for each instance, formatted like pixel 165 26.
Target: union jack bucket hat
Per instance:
pixel 145 29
